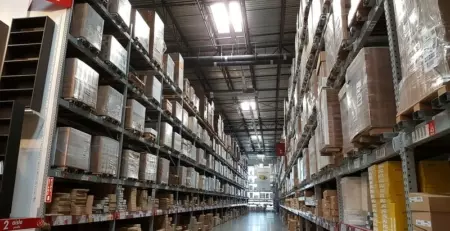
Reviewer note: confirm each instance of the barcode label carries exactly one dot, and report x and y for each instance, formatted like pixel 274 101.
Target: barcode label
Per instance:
pixel 430 49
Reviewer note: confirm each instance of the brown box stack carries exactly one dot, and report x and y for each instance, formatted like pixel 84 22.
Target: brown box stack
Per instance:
pixel 330 208
pixel 131 195
pixel 430 212
pixel 329 139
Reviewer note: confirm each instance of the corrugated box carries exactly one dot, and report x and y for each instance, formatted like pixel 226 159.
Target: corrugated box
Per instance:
pixel 89 25
pixel 181 172
pixel 72 149
pixel 135 116
pixel 177 110
pixel 430 176
pixel 329 139
pixel 113 52
pixel 163 171
pixel 109 103
pixel 141 30
pixel 104 155
pixel 120 9
pixel 157 44
pixel 130 164
pixel 370 85
pixel 169 66
pixel 177 140
pixel 80 82
pixel 179 69
pixel 430 221
pixel 153 88
pixel 166 134
pixel 429 202
pixel 345 104
pixel 148 163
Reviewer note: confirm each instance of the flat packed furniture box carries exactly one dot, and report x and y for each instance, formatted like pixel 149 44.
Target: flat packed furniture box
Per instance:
pixel 104 155
pixel 129 167
pixel 177 110
pixel 345 103
pixel 169 66
pixel 177 140
pixel 166 134
pixel 120 9
pixel 148 164
pixel 113 53
pixel 371 89
pixel 73 149
pixel 329 139
pixel 109 103
pixel 179 69
pixel 80 82
pixel 141 30
pixel 157 44
pixel 163 171
pixel 181 172
pixel 423 45
pixel 153 88
pixel 88 26
pixel 135 116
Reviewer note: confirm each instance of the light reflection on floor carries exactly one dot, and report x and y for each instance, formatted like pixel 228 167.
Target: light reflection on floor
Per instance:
pixel 254 221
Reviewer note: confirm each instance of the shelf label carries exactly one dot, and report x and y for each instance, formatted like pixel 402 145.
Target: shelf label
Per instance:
pixel 26 223
pixel 356 163
pixel 49 190
pixel 62 3
pixel 431 128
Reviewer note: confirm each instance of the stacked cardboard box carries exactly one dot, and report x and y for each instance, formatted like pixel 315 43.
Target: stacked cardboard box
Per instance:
pixel 430 212
pixel 143 201
pixel 141 30
pixel 177 141
pixel 120 9
pixel 80 82
pixel 163 171
pixel 157 44
pixel 153 89
pixel 352 199
pixel 168 66
pixel 329 138
pixel 114 53
pixel 72 149
pixel 166 134
pixel 330 208
pixel 179 69
pixel 166 201
pixel 163 223
pixel 104 155
pixel 77 202
pixel 430 176
pixel 89 25
pixel 345 105
pixel 109 103
pixel 135 116
pixel 180 174
pixel 130 164
pixel 131 195
pixel 148 164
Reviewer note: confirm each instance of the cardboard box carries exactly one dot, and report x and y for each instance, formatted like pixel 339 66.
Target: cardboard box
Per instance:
pixel 89 25
pixel 163 171
pixel 80 82
pixel 157 45
pixel 104 155
pixel 109 103
pixel 153 88
pixel 129 167
pixel 168 66
pixel 429 202
pixel 141 30
pixel 135 116
pixel 179 69
pixel 72 149
pixel 120 9
pixel 112 51
pixel 430 221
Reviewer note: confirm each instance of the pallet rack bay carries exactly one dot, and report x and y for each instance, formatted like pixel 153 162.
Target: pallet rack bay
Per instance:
pixel 63 112
pixel 417 138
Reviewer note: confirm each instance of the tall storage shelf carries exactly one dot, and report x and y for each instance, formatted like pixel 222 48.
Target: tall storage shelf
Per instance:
pixel 336 177
pixel 107 126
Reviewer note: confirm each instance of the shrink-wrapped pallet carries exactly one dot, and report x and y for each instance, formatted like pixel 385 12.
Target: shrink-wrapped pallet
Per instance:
pixel 351 190
pixel 169 66
pixel 148 163
pixel 344 102
pixel 120 9
pixel 177 140
pixel 129 167
pixel 72 149
pixel 312 156
pixel 315 13
pixel 162 175
pixel 329 139
pixel 424 49
pixel 322 161
pixel 179 69
pixel 157 44
pixel 135 116
pixel 89 25
pixel 371 90
pixel 109 103
pixel 185 117
pixel 80 82
pixel 177 110
pixel 104 155
pixel 181 172
pixel 166 134
pixel 153 88
pixel 114 53
pixel 337 32
pixel 192 124
pixel 141 30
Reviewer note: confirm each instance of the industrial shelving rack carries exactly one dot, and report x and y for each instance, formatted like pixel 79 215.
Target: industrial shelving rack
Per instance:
pixel 406 144
pixel 65 113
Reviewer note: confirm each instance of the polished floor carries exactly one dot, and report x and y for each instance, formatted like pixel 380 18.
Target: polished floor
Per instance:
pixel 254 221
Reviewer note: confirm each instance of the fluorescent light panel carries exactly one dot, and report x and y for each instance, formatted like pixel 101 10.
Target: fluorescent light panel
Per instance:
pixel 247 105
pixel 223 18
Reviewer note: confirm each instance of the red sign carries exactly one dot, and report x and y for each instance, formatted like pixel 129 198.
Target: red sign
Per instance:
pixel 280 149
pixel 49 190
pixel 62 3
pixel 431 128
pixel 22 223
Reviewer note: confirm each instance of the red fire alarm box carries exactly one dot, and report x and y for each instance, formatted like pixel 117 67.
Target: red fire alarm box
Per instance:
pixel 280 149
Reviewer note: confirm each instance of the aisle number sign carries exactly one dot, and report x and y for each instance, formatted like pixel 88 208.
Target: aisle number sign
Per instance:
pixel 62 3
pixel 49 190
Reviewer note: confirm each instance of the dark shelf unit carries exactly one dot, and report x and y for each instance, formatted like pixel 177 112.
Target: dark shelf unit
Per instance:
pixel 26 61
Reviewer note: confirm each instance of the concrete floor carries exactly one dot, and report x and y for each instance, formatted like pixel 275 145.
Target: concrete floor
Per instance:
pixel 254 221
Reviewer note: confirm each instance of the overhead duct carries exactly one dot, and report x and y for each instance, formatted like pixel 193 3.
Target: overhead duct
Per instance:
pixel 238 60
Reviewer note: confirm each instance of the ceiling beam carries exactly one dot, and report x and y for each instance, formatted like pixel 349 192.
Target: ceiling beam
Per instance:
pixel 280 48
pixel 263 130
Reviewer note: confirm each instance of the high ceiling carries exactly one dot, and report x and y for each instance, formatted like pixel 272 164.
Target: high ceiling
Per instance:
pixel 269 27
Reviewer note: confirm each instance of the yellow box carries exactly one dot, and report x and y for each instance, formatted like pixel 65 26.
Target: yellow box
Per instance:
pixel 393 216
pixel 430 176
pixel 390 171
pixel 391 191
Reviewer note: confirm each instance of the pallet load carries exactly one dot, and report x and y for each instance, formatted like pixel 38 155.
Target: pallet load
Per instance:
pixel 135 116
pixel 131 195
pixel 371 89
pixel 330 208
pixel 429 173
pixel 352 200
pixel 89 25
pixel 345 103
pixel 157 44
pixel 121 11
pixel 130 164
pixel 168 66
pixel 166 134
pixel 423 53
pixel 179 69
pixel 80 83
pixel 321 160
pixel 109 103
pixel 430 212
pixel 104 158
pixel 114 54
pixel 147 167
pixel 73 149
pixel 153 88
pixel 180 172
pixel 162 176
pixel 177 140
pixel 141 30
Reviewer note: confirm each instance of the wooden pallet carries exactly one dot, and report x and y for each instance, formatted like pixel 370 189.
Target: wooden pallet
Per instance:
pixel 119 21
pixel 110 120
pixel 84 42
pixel 135 132
pixel 137 81
pixel 70 169
pixel 426 106
pixel 149 136
pixel 81 105
pixel 115 68
pixel 329 150
pixel 102 174
pixel 370 137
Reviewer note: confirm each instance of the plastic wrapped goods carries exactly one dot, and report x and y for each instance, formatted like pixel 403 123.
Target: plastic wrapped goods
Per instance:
pixel 169 66
pixel 185 118
pixel 424 46
pixel 329 139
pixel 89 25
pixel 371 90
pixel 104 155
pixel 322 161
pixel 179 69
pixel 72 149
pixel 162 176
pixel 135 116
pixel 312 156
pixel 109 103
pixel 181 172
pixel 166 134
pixel 337 32
pixel 141 30
pixel 177 110
pixel 192 124
pixel 120 9
pixel 157 45
pixel 148 163
pixel 351 188
pixel 80 82
pixel 129 167
pixel 177 140
pixel 344 103
pixel 113 52
pixel 153 88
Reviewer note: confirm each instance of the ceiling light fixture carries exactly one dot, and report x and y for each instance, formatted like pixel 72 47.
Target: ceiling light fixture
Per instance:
pixel 256 137
pixel 248 105
pixel 223 18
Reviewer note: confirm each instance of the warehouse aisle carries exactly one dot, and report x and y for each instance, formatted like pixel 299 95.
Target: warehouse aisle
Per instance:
pixel 254 221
